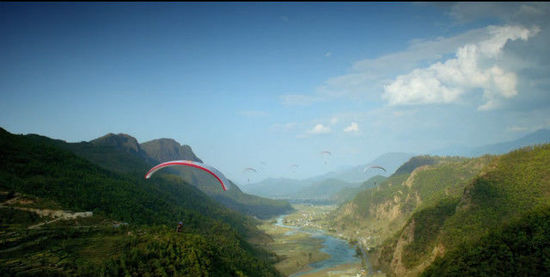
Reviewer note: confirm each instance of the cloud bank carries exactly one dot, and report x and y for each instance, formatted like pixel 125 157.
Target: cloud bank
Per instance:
pixel 475 67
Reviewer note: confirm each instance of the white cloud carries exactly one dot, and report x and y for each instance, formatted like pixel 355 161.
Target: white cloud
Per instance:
pixel 353 127
pixel 319 129
pixel 368 76
pixel 475 66
pixel 334 120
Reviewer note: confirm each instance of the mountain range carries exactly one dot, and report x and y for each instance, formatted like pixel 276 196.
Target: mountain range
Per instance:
pixel 326 185
pixel 538 137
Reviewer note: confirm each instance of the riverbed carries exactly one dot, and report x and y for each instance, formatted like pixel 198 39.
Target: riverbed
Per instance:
pixel 341 255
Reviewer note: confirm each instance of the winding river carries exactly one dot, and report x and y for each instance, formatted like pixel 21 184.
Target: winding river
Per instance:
pixel 339 250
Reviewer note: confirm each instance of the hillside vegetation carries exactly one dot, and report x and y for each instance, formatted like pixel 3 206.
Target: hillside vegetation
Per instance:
pixel 347 194
pixel 519 249
pixel 475 230
pixel 124 155
pixel 213 242
pixel 376 213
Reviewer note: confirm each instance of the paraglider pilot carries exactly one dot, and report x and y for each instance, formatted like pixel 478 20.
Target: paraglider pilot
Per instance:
pixel 180 225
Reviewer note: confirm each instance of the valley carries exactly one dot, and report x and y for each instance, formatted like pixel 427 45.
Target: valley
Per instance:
pixel 307 247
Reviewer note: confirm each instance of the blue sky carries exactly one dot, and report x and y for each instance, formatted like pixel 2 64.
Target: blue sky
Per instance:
pixel 245 83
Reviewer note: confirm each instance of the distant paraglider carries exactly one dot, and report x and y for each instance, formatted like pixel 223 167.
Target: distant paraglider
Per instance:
pixel 373 166
pixel 209 169
pixel 293 167
pixel 325 155
pixel 249 170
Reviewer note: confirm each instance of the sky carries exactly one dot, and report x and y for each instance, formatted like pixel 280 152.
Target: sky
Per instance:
pixel 270 85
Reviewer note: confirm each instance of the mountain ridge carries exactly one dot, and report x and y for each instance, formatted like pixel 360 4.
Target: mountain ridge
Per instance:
pixel 539 136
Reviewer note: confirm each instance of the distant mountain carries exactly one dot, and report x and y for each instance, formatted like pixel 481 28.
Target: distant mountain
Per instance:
pixel 168 150
pixel 347 178
pixel 538 137
pixel 347 194
pixel 323 190
pixel 389 161
pixel 276 187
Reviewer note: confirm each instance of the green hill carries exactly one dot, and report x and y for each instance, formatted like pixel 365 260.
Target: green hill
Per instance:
pixel 518 249
pixel 376 213
pixel 37 167
pixel 123 154
pixel 478 221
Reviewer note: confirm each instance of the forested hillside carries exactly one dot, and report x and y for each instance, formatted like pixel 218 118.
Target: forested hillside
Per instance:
pixel 376 213
pixel 467 231
pixel 55 178
pixel 123 154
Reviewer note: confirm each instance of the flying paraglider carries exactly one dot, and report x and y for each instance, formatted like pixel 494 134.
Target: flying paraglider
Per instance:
pixel 326 154
pixel 207 168
pixel 249 170
pixel 374 166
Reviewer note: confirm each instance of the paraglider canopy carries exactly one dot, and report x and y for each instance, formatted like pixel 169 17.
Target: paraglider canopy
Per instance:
pixel 209 169
pixel 374 166
pixel 326 154
pixel 249 169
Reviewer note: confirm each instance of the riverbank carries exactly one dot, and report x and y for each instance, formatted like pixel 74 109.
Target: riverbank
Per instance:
pixel 306 249
pixel 295 249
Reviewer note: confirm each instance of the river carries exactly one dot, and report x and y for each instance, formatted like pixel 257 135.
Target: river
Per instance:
pixel 340 251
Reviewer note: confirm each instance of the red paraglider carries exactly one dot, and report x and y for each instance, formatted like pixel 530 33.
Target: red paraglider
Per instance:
pixel 211 170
